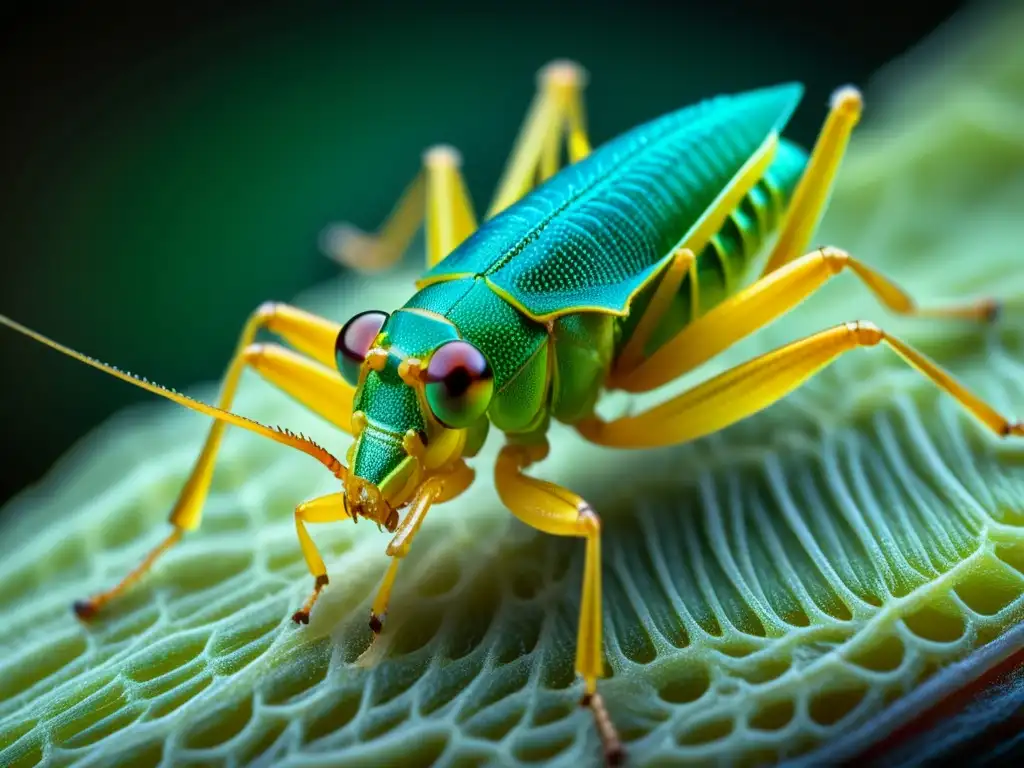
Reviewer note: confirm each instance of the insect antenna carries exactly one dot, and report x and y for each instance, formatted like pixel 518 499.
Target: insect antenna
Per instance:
pixel 277 434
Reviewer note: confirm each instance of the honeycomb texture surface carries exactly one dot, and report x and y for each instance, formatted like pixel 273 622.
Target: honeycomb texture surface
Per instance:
pixel 770 591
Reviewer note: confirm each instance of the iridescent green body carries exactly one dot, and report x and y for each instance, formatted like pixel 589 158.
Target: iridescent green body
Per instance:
pixel 551 288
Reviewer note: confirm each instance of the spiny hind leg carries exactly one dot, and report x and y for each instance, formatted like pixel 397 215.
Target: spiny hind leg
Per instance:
pixel 815 185
pixel 557 112
pixel 436 490
pixel 754 385
pixel 557 511
pixel 437 196
pixel 764 301
pixel 307 379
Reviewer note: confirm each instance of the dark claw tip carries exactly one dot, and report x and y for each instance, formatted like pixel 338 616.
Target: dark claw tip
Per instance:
pixel 616 756
pixel 84 609
pixel 300 617
pixel 375 624
pixel 994 311
pixel 585 700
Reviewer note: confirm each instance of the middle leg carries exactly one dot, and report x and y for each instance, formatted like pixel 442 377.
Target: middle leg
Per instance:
pixel 560 512
pixel 815 187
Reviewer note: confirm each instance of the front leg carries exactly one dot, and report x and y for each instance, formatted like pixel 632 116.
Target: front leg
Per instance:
pixel 436 490
pixel 560 512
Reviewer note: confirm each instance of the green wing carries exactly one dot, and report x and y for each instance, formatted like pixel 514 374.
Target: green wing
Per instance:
pixel 596 232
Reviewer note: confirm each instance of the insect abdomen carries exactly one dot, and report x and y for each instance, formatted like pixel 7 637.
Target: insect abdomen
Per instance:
pixel 724 263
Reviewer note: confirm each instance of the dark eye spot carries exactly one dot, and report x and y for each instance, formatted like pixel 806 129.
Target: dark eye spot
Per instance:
pixel 354 342
pixel 459 385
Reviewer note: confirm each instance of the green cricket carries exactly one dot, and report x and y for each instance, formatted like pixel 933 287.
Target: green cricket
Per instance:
pixel 621 267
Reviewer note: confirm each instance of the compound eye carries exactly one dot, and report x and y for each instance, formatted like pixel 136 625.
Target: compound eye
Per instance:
pixel 459 384
pixel 354 342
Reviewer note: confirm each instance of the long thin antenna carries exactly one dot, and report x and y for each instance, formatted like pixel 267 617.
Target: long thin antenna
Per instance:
pixel 283 436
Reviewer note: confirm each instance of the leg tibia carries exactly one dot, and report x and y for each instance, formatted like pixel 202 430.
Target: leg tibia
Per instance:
pixel 764 301
pixel 314 335
pixel 351 247
pixel 433 491
pixel 450 217
pixel 557 111
pixel 325 509
pixel 306 380
pixel 379 609
pixel 683 262
pixel 753 386
pixel 437 196
pixel 86 609
pixel 558 511
pixel 815 187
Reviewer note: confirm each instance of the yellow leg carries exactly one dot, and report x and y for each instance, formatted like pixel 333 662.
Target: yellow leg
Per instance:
pixel 557 111
pixel 815 187
pixel 753 386
pixel 436 490
pixel 437 195
pixel 325 509
pixel 310 382
pixel 683 262
pixel 86 609
pixel 764 301
pixel 557 511
pixel 320 389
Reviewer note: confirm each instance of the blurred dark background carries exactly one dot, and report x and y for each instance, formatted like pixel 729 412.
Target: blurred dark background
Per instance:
pixel 166 168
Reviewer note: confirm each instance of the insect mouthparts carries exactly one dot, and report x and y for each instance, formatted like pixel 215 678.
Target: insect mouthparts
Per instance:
pixel 363 499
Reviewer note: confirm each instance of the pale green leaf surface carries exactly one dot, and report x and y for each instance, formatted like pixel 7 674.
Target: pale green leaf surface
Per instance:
pixel 769 589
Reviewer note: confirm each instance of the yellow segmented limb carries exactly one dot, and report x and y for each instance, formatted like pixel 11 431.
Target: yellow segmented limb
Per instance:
pixel 683 262
pixel 560 512
pixel 738 188
pixel 325 509
pixel 86 609
pixel 753 386
pixel 436 197
pixel 348 245
pixel 449 216
pixel 435 490
pixel 318 388
pixel 815 186
pixel 764 301
pixel 557 110
pixel 305 379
